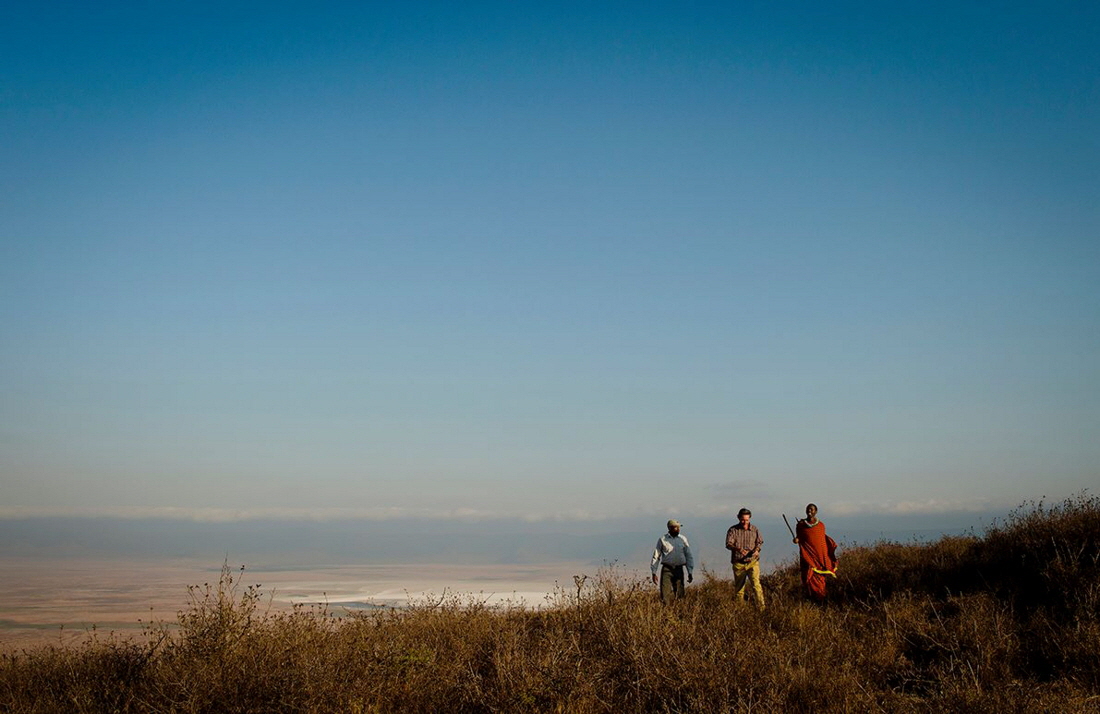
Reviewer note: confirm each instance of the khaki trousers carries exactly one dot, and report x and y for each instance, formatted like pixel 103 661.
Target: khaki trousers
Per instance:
pixel 672 583
pixel 750 572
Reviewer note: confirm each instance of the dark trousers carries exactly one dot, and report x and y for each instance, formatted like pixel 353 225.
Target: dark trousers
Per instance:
pixel 672 582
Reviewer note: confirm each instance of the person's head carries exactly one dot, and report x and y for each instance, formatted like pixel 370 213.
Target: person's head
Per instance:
pixel 744 516
pixel 811 511
pixel 673 527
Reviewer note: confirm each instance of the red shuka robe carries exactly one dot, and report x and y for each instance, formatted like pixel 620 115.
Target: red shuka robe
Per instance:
pixel 817 557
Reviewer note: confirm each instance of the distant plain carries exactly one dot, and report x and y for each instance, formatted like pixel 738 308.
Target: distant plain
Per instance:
pixel 66 600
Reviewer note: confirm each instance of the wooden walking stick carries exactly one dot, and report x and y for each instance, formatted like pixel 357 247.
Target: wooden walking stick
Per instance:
pixel 789 526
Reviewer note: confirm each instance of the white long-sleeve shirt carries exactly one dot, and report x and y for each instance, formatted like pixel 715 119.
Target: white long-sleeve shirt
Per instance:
pixel 672 550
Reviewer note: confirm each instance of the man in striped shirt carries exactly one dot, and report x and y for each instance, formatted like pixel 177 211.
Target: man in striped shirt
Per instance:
pixel 670 557
pixel 744 541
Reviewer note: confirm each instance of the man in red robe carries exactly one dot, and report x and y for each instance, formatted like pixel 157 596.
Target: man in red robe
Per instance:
pixel 816 554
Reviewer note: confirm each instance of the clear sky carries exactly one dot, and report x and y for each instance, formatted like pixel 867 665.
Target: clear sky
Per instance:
pixel 569 260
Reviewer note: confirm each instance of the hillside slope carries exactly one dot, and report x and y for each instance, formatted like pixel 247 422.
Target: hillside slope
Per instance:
pixel 1002 622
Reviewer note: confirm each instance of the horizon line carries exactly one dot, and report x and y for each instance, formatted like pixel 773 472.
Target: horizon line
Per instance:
pixel 929 507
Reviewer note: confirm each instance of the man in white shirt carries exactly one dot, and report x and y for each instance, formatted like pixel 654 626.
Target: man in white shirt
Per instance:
pixel 670 557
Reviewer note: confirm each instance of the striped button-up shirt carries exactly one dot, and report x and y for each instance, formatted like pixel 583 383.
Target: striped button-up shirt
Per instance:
pixel 672 550
pixel 748 539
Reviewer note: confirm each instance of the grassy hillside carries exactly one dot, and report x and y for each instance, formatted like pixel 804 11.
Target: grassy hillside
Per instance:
pixel 1003 622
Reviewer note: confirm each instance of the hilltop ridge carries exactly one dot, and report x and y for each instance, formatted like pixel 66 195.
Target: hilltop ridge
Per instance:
pixel 1008 620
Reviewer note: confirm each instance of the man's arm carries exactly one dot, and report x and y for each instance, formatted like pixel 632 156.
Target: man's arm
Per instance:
pixel 729 539
pixel 689 557
pixel 655 563
pixel 759 544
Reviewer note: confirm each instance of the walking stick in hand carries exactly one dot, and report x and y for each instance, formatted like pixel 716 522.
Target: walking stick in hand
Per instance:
pixel 789 528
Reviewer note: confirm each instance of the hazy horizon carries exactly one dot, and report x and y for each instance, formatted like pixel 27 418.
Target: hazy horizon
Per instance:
pixel 470 542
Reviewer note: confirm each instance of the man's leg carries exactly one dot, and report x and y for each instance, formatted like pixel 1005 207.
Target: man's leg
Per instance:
pixel 815 587
pixel 678 581
pixel 739 573
pixel 753 573
pixel 667 589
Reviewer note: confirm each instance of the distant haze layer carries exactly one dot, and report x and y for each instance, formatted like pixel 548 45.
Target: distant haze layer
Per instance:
pixel 302 543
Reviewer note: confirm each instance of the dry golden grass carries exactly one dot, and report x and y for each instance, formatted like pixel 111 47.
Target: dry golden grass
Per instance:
pixel 1009 621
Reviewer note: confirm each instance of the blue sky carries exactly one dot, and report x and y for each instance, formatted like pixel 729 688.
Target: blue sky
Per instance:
pixel 430 260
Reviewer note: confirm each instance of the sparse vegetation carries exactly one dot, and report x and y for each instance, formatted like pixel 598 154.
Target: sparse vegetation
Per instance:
pixel 1007 621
